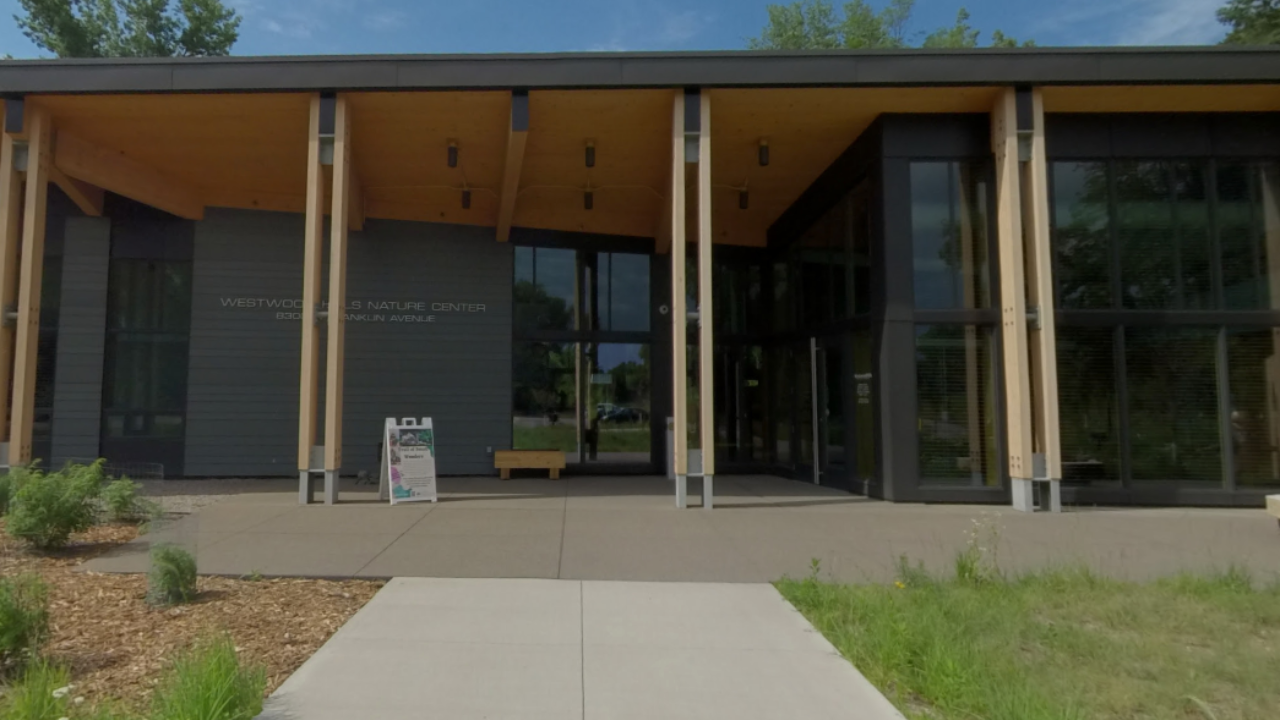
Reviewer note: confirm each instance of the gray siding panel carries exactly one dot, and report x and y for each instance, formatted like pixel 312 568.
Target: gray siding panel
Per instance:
pixel 77 389
pixel 242 406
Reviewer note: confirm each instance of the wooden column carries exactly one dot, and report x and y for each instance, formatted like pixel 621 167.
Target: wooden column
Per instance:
pixel 30 274
pixel 10 241
pixel 517 139
pixel 1026 282
pixel 1013 304
pixel 679 316
pixel 1042 336
pixel 336 350
pixel 706 325
pixel 313 253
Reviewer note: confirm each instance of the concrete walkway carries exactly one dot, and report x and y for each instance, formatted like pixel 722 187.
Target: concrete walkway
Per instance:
pixel 533 649
pixel 627 528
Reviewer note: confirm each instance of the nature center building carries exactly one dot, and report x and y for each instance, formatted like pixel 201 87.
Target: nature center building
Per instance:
pixel 919 275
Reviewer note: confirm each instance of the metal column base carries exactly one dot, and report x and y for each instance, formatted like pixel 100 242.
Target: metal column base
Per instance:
pixel 1024 495
pixel 708 492
pixel 682 491
pixel 330 487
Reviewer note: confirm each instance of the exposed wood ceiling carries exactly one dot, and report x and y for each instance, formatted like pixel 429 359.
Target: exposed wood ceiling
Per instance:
pixel 249 150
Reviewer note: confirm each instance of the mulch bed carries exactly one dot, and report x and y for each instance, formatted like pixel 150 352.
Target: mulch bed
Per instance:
pixel 118 646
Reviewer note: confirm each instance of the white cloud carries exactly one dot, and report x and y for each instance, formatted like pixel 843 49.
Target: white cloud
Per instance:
pixel 385 21
pixel 1134 22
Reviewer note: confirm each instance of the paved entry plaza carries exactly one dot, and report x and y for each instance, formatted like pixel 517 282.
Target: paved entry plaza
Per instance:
pixel 627 528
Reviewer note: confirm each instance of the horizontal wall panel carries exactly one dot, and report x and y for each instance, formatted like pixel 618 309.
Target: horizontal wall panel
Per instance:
pixel 77 394
pixel 242 407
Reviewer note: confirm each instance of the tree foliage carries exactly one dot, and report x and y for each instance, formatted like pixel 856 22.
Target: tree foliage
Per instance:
pixel 1252 22
pixel 817 25
pixel 130 28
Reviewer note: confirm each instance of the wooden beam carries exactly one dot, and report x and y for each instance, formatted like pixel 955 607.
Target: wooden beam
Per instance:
pixel 121 174
pixel 679 336
pixel 10 241
pixel 30 274
pixel 706 340
pixel 517 138
pixel 335 359
pixel 1013 306
pixel 1042 337
pixel 313 254
pixel 87 197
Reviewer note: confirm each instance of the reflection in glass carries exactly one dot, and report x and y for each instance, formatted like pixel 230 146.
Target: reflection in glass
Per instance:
pixel 864 412
pixel 1254 361
pixel 1248 219
pixel 1088 404
pixel 955 405
pixel 622 292
pixel 781 368
pixel 1081 234
pixel 949 231
pixel 545 397
pixel 739 403
pixel 1173 404
pixel 616 381
pixel 545 288
pixel 1162 220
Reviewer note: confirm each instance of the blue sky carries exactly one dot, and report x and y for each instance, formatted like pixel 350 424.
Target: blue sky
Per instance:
pixel 448 26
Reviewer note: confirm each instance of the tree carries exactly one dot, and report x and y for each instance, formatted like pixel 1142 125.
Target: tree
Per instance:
pixel 130 28
pixel 1253 22
pixel 815 25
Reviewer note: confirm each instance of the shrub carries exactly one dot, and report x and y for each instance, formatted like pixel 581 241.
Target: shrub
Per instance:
pixel 208 683
pixel 24 619
pixel 47 507
pixel 122 503
pixel 41 694
pixel 6 491
pixel 172 579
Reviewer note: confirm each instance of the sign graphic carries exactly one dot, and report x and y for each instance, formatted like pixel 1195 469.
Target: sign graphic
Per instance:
pixel 409 461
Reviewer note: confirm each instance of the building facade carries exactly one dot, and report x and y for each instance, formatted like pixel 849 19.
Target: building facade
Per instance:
pixel 919 276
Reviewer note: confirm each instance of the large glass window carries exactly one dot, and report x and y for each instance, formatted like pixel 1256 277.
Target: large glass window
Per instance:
pixel 545 394
pixel 1088 404
pixel 622 302
pixel 1171 376
pixel 949 231
pixel 1254 359
pixel 618 391
pixel 955 405
pixel 1248 220
pixel 1162 222
pixel 1081 237
pixel 148 326
pixel 545 288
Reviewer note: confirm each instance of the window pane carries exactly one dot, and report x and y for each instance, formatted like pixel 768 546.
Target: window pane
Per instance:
pixel 1081 234
pixel 1173 404
pixel 619 389
pixel 815 272
pixel 544 399
pixel 949 235
pixel 1193 250
pixel 955 404
pixel 1144 217
pixel 1088 404
pixel 546 301
pixel 1254 358
pixel 782 316
pixel 626 292
pixel 1248 217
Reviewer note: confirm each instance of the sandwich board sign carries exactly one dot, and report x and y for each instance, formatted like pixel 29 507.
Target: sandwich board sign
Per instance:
pixel 408 461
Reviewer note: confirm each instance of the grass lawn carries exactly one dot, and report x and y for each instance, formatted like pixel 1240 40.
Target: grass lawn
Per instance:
pixel 1060 644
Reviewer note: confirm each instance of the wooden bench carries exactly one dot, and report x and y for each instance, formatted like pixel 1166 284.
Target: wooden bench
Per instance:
pixel 507 460
pixel 1273 506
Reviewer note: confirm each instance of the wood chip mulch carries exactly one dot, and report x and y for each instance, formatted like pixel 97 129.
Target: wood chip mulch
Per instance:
pixel 118 646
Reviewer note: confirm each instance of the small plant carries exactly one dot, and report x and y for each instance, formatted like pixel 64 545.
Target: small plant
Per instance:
pixel 9 484
pixel 47 507
pixel 41 694
pixel 172 580
pixel 24 620
pixel 123 504
pixel 979 561
pixel 208 681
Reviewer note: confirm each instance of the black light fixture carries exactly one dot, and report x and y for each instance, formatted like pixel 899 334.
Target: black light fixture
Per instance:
pixel 591 153
pixel 453 154
pixel 466 199
pixel 764 152
pixel 588 200
pixel 744 199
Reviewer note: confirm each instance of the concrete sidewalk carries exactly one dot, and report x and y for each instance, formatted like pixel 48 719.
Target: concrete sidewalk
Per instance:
pixel 532 649
pixel 627 528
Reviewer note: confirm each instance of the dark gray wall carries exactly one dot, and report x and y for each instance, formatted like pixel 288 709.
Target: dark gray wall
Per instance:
pixel 77 391
pixel 242 406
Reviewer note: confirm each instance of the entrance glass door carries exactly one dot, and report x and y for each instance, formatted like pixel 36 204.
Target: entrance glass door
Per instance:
pixel 739 398
pixel 834 417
